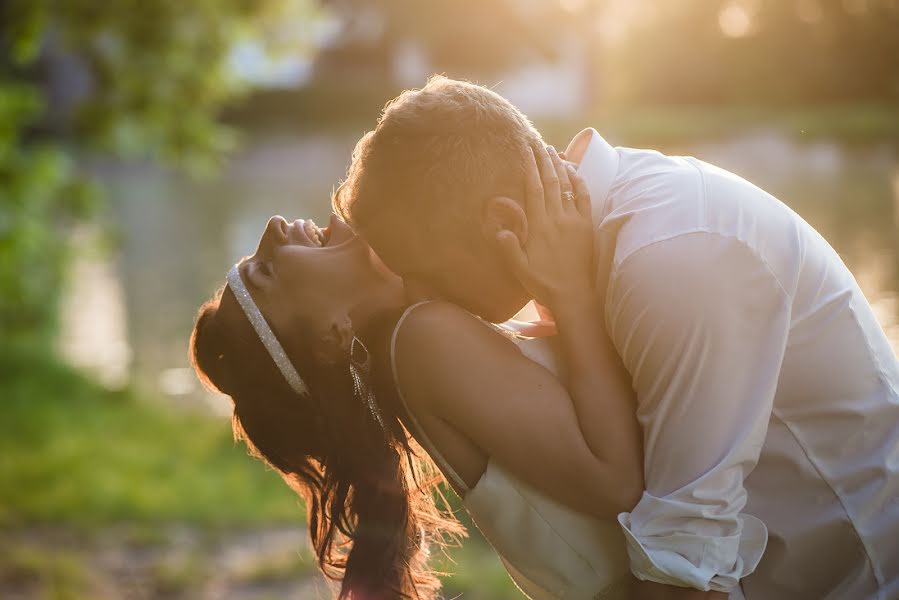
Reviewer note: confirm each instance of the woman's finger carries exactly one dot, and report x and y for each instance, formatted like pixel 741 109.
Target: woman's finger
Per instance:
pixel 581 193
pixel 543 312
pixel 548 176
pixel 566 194
pixel 535 204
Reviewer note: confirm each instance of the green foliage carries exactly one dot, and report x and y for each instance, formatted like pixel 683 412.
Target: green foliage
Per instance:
pixel 72 453
pixel 39 193
pixel 158 70
pixel 157 77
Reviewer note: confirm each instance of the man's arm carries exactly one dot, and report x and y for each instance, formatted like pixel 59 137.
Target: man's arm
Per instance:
pixel 701 324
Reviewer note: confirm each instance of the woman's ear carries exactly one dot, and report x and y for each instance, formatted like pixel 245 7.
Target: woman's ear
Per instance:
pixel 501 213
pixel 335 341
pixel 258 274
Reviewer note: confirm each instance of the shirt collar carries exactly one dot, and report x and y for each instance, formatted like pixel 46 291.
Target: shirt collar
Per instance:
pixel 598 168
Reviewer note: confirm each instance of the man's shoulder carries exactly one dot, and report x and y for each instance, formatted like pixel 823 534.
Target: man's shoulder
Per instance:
pixel 659 197
pixel 646 164
pixel 654 197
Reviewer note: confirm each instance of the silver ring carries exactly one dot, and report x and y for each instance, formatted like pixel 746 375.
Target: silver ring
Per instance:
pixel 569 196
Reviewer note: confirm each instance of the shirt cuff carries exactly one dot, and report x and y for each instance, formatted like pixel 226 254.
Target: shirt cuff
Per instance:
pixel 664 550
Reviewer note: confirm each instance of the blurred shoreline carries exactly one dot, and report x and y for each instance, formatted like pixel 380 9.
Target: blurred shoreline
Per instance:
pixel 346 111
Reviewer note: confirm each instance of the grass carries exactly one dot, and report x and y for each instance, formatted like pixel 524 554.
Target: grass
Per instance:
pixel 74 453
pixel 56 575
pixel 476 573
pixel 84 468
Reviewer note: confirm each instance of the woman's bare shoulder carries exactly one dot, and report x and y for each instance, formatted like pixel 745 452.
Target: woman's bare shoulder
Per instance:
pixel 434 328
pixel 438 341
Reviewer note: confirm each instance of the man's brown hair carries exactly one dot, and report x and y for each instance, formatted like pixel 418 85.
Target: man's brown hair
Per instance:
pixel 435 153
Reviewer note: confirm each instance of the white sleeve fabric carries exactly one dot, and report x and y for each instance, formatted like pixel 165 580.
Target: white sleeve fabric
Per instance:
pixel 701 323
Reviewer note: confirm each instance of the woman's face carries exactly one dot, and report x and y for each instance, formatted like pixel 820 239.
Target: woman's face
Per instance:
pixel 304 278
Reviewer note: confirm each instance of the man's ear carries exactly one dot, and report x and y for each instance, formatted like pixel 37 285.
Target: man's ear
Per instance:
pixel 501 213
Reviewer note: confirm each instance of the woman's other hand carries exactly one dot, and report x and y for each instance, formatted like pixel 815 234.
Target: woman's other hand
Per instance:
pixel 555 264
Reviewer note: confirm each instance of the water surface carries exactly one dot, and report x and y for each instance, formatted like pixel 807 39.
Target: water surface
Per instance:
pixel 130 314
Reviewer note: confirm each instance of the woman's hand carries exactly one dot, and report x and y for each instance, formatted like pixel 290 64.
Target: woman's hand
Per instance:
pixel 555 263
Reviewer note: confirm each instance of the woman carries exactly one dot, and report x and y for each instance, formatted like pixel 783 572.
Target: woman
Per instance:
pixel 335 420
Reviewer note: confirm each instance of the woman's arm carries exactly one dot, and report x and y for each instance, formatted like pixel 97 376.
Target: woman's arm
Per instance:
pixel 453 368
pixel 555 263
pixel 603 397
pixel 582 448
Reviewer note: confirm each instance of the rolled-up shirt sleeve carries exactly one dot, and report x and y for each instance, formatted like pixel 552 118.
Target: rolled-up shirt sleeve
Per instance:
pixel 701 323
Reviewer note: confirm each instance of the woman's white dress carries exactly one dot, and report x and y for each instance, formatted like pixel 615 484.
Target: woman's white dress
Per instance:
pixel 550 550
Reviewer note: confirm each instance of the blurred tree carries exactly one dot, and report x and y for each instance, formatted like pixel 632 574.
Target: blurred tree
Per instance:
pixel 464 38
pixel 130 78
pixel 764 52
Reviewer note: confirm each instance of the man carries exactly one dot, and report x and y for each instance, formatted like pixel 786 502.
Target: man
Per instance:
pixel 767 392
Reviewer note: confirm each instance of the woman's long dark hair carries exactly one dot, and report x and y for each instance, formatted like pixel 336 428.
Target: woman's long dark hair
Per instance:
pixel 371 497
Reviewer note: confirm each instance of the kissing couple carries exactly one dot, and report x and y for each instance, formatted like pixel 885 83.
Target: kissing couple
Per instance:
pixel 706 407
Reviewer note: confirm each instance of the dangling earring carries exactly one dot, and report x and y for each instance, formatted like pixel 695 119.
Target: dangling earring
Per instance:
pixel 360 370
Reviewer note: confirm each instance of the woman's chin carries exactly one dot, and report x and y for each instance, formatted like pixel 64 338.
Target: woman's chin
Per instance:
pixel 382 271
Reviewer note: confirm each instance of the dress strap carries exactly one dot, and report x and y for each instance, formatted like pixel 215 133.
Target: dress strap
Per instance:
pixel 423 437
pixel 503 331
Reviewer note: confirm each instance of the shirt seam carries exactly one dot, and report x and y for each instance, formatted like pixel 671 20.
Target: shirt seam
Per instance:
pixel 703 210
pixel 877 576
pixel 784 298
pixel 703 205
pixel 875 356
pixel 616 269
pixel 886 382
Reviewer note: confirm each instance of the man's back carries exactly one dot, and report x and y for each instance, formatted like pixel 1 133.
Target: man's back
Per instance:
pixel 749 341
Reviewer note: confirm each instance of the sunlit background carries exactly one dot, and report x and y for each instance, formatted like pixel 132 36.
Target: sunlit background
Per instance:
pixel 144 144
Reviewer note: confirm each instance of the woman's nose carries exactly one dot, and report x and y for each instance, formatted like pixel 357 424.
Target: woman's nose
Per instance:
pixel 273 236
pixel 275 230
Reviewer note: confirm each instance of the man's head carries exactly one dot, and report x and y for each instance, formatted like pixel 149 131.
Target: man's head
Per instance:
pixel 431 187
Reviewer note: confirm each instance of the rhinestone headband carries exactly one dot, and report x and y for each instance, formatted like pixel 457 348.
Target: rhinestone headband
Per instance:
pixel 265 333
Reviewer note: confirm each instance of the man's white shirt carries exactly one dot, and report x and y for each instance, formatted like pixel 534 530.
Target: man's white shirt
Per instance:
pixel 767 392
